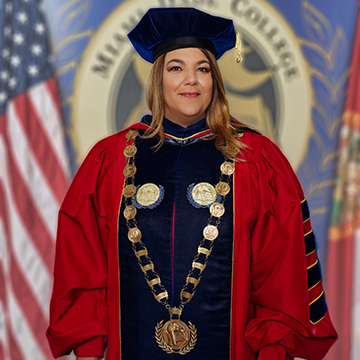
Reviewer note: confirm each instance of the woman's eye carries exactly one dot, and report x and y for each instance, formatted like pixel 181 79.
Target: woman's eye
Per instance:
pixel 175 68
pixel 204 69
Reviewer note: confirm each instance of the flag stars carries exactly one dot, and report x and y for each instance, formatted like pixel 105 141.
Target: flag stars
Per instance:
pixel 7 31
pixel 6 53
pixel 12 83
pixel 3 97
pixel 9 8
pixel 18 39
pixel 22 17
pixel 15 61
pixel 4 75
pixel 36 49
pixel 40 28
pixel 33 70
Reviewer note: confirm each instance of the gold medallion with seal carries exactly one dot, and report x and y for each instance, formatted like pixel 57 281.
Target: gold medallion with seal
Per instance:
pixel 175 334
pixel 130 151
pixel 176 337
pixel 222 188
pixel 204 194
pixel 134 235
pixel 129 170
pixel 148 194
pixel 227 168
pixel 210 232
pixel 130 212
pixel 132 134
pixel 129 190
pixel 217 209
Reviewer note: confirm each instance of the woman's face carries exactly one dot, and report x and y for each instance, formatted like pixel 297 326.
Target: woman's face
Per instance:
pixel 187 85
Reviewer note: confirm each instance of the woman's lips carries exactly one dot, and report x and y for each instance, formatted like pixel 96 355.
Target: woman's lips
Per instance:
pixel 190 94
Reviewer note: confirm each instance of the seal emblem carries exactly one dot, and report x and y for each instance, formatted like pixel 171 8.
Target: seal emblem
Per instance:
pixel 148 196
pixel 175 336
pixel 201 195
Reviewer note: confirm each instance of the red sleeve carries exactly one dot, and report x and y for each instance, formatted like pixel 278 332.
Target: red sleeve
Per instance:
pixel 78 309
pixel 291 311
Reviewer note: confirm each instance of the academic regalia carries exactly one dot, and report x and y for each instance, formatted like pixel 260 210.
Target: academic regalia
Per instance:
pixel 260 296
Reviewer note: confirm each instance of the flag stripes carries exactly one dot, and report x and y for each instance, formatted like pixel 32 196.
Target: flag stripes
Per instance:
pixel 33 179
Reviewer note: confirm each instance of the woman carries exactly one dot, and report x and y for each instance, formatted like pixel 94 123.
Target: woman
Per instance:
pixel 188 234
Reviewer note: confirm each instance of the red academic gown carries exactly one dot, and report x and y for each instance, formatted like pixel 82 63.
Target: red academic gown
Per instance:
pixel 278 309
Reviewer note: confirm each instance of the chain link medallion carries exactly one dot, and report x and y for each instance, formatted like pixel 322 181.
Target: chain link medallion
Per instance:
pixel 210 232
pixel 217 209
pixel 129 190
pixel 129 170
pixel 227 168
pixel 222 188
pixel 130 212
pixel 130 151
pixel 175 336
pixel 134 235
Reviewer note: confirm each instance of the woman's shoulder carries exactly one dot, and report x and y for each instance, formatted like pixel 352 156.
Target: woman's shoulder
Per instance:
pixel 258 145
pixel 266 159
pixel 108 148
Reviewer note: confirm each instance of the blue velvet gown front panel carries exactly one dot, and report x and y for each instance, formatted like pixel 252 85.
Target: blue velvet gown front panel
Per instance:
pixel 172 232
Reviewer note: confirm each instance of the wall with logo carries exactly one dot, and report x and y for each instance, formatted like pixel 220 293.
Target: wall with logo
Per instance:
pixel 290 86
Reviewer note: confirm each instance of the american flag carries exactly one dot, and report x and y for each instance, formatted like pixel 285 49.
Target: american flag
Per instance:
pixel 33 179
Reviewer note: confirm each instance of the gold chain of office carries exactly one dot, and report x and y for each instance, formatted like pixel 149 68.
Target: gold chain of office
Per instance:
pixel 174 336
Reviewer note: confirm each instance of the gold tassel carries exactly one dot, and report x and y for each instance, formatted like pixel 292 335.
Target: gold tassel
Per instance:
pixel 238 48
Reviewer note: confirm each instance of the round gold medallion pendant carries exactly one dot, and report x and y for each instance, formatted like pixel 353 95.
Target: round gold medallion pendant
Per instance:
pixel 130 151
pixel 129 170
pixel 132 134
pixel 175 336
pixel 130 212
pixel 210 232
pixel 227 168
pixel 217 209
pixel 222 188
pixel 129 190
pixel 134 235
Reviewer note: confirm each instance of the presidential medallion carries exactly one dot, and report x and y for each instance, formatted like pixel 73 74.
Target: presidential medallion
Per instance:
pixel 148 196
pixel 175 336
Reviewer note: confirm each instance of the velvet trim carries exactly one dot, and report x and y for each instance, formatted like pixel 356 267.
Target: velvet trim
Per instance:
pixel 172 232
pixel 310 243
pixel 318 309
pixel 305 210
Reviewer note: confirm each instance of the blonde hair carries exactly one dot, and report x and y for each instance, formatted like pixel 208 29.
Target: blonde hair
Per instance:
pixel 222 125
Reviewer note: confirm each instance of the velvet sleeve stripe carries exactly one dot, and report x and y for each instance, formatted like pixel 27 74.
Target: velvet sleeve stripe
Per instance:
pixel 318 309
pixel 305 210
pixel 310 244
pixel 317 303
pixel 314 275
